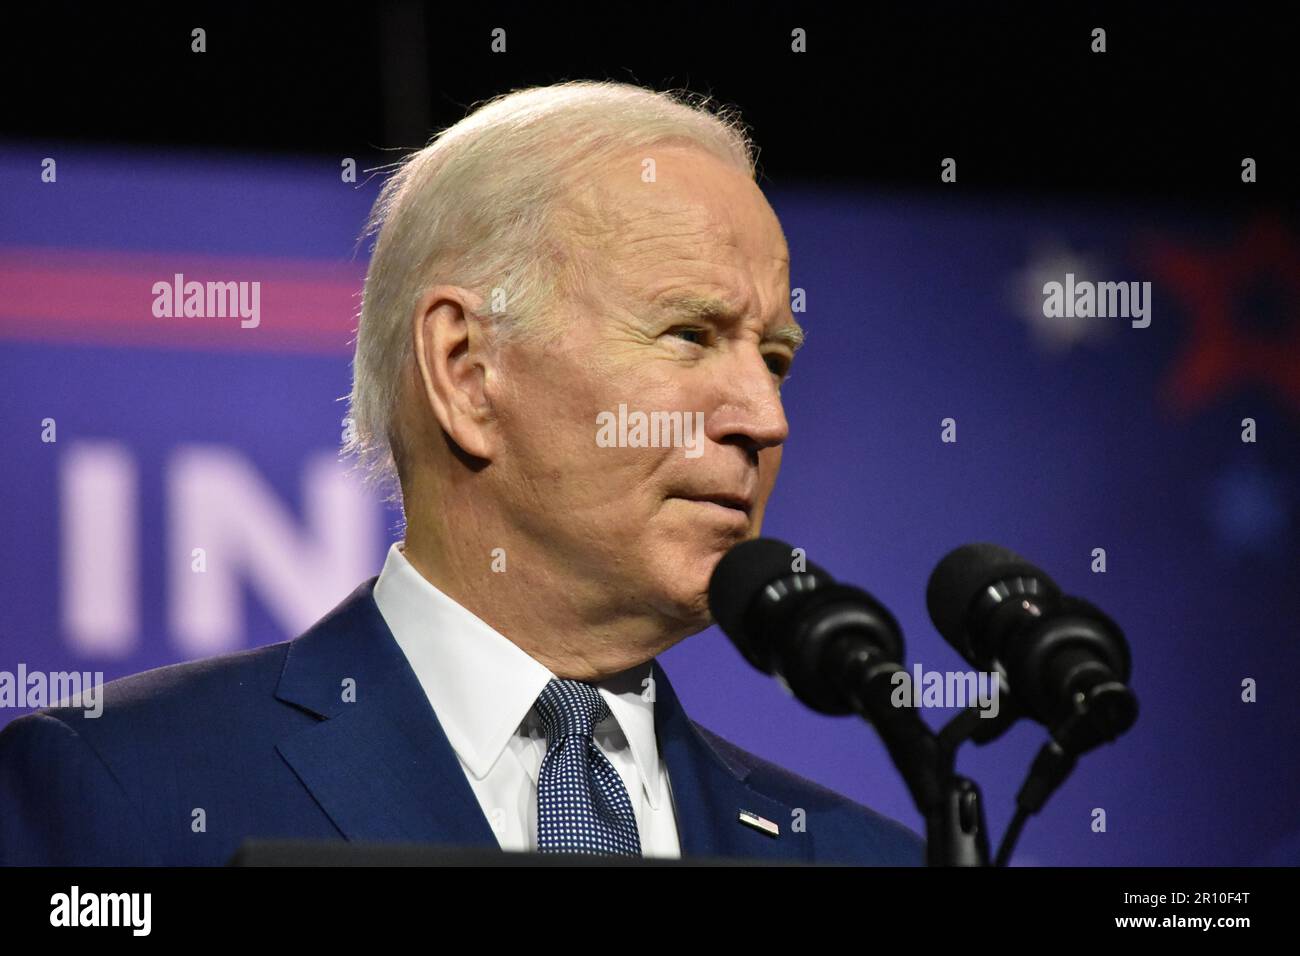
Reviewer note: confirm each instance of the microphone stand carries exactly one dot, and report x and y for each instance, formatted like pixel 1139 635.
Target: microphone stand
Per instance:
pixel 1051 767
pixel 951 804
pixel 956 834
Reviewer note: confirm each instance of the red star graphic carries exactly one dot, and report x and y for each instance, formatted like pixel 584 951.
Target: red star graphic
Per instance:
pixel 1219 354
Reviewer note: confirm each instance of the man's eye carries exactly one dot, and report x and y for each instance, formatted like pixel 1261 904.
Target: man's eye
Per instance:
pixel 698 336
pixel 779 365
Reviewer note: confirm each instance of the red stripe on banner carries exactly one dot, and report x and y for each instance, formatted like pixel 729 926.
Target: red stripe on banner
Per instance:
pixel 107 298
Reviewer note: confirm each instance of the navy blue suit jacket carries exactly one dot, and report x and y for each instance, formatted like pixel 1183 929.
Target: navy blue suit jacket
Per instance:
pixel 185 762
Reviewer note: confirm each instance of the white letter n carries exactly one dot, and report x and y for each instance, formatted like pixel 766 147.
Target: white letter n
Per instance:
pixel 217 501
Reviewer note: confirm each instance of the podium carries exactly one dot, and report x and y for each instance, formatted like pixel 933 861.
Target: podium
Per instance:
pixel 257 853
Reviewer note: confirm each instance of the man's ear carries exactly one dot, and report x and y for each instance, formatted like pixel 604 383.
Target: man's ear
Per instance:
pixel 454 364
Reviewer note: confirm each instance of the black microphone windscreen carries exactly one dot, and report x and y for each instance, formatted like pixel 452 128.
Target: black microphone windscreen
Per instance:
pixel 741 576
pixel 962 575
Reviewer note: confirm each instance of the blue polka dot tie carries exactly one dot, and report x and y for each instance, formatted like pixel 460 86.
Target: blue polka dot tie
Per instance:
pixel 582 804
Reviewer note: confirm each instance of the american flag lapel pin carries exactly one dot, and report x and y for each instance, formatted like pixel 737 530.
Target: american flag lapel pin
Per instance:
pixel 751 819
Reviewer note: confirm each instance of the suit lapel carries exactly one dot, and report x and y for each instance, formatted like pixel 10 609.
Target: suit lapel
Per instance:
pixel 379 766
pixel 710 792
pixel 382 769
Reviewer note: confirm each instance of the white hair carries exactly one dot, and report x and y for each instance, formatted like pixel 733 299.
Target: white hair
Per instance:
pixel 481 207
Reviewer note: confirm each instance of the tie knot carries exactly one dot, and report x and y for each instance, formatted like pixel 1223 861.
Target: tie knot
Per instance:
pixel 570 708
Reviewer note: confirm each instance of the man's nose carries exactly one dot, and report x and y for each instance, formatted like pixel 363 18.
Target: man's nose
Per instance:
pixel 749 410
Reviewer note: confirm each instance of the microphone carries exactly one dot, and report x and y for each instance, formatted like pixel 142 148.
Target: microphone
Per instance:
pixel 839 650
pixel 834 647
pixel 1066 662
pixel 824 640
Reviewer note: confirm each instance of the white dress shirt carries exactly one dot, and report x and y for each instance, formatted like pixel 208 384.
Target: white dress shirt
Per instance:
pixel 483 688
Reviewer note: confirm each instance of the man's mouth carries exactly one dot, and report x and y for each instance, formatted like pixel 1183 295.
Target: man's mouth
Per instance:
pixel 738 503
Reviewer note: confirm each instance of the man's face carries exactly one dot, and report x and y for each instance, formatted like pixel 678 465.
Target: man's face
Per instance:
pixel 649 524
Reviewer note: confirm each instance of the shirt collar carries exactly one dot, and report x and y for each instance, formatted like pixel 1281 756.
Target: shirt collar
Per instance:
pixel 482 686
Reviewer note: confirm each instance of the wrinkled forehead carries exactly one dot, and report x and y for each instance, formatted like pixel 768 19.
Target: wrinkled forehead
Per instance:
pixel 697 215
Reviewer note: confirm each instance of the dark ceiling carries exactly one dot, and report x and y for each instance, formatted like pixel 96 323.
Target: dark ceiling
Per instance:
pixel 879 98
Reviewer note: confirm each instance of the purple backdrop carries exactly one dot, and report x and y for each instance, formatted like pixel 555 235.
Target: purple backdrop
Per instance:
pixel 1072 435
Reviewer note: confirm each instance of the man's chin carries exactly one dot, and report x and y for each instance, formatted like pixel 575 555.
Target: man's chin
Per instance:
pixel 686 622
pixel 679 562
pixel 683 587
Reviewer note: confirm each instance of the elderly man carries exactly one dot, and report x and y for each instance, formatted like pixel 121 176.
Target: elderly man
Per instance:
pixel 560 256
